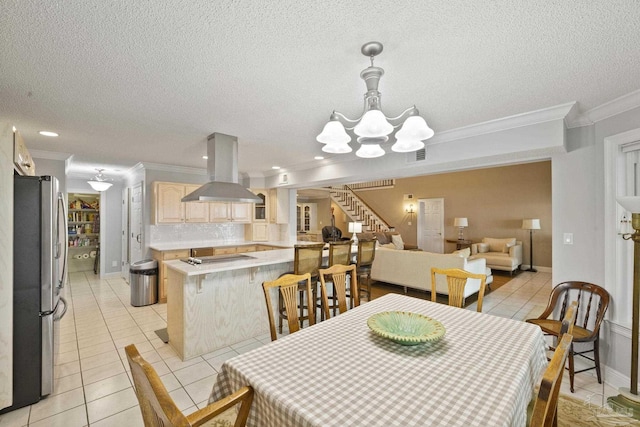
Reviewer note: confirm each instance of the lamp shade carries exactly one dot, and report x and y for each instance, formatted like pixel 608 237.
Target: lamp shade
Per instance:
pixel 415 127
pixel 531 224
pixel 100 185
pixel 333 133
pixel 460 222
pixel 373 124
pixel 407 145
pixel 630 203
pixel 336 148
pixel 355 227
pixel 370 151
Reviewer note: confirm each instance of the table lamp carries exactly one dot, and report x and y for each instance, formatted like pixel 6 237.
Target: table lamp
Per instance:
pixel 355 227
pixel 461 223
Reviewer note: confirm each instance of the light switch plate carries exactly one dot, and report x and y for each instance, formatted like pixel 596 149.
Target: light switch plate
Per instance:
pixel 568 238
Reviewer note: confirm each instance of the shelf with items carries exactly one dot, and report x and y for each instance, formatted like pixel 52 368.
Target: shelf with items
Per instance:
pixel 83 231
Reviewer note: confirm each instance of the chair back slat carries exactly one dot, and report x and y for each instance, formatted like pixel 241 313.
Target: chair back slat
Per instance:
pixel 287 286
pixel 366 252
pixel 337 274
pixel 456 282
pixel 569 320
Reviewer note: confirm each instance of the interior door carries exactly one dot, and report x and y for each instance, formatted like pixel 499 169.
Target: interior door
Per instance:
pixel 125 233
pixel 431 225
pixel 136 237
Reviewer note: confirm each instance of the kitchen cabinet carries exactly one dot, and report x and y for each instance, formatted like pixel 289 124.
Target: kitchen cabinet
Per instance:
pixel 230 211
pixel 83 231
pixel 260 232
pixel 161 256
pixel 260 209
pixel 306 216
pixel 169 208
pixel 22 160
pixel 278 205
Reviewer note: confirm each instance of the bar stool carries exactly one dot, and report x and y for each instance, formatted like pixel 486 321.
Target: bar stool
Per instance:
pixel 306 259
pixel 364 261
pixel 339 253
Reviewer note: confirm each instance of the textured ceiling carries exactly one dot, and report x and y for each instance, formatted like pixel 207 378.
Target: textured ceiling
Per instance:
pixel 129 81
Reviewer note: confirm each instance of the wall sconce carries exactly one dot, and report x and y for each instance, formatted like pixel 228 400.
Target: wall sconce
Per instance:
pixel 410 211
pixel 461 223
pixel 354 228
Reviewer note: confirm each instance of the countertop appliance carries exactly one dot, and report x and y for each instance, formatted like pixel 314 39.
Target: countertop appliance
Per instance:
pixel 39 275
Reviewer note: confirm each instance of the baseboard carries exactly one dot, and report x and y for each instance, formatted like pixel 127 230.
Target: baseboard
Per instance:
pixel 114 275
pixel 615 379
pixel 524 267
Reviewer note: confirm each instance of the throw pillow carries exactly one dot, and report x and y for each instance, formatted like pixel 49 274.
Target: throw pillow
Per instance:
pixel 463 253
pixel 508 246
pixel 396 239
pixel 497 245
pixel 388 246
pixel 483 248
pixel 382 238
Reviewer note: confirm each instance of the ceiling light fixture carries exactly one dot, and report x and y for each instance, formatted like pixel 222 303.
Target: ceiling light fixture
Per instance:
pixel 319 158
pixel 100 182
pixel 373 127
pixel 47 133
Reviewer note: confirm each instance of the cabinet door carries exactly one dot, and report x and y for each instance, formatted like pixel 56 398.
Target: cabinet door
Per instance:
pixel 260 209
pixel 195 211
pixel 241 212
pixel 219 212
pixel 260 232
pixel 169 206
pixel 278 204
pixel 21 157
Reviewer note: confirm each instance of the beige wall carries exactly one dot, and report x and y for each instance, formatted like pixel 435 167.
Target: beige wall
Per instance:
pixel 495 200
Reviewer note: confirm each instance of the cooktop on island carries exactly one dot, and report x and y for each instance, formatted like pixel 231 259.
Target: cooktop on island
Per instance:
pixel 216 258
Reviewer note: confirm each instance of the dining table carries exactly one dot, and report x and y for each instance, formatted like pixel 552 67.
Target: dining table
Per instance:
pixel 482 372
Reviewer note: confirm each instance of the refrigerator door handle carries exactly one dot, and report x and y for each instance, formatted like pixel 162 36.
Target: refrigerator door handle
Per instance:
pixel 63 275
pixel 64 311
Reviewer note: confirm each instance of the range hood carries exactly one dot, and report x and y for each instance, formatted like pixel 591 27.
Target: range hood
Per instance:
pixel 222 167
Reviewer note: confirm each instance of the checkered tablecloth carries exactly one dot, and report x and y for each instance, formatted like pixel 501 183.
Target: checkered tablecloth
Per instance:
pixel 339 373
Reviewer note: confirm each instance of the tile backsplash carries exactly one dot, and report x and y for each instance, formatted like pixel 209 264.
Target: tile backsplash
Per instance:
pixel 222 232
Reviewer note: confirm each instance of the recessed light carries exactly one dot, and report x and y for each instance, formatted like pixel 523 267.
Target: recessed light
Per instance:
pixel 205 157
pixel 319 158
pixel 275 167
pixel 47 133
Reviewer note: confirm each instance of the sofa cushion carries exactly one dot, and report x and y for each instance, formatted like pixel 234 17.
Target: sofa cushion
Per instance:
pixel 483 248
pixel 508 246
pixel 388 246
pixel 464 253
pixel 382 238
pixel 396 239
pixel 498 245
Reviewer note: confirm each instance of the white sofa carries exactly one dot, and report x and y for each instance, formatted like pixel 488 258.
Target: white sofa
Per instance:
pixel 413 269
pixel 500 254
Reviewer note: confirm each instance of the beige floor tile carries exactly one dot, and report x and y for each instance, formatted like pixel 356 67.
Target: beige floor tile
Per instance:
pixel 53 405
pixel 99 360
pixel 175 363
pixel 17 418
pixel 76 417
pixel 64 384
pixel 131 417
pixel 102 372
pixel 201 389
pixel 96 349
pixel 181 399
pixel 170 382
pixel 194 373
pixel 107 386
pixel 111 404
pixel 217 361
pixel 67 369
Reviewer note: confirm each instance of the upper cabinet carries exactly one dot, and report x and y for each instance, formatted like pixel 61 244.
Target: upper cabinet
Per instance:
pixel 169 208
pixel 307 216
pixel 230 212
pixel 278 205
pixel 22 159
pixel 260 209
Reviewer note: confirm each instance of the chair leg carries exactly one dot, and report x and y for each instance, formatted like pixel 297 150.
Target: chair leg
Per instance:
pixel 280 310
pixel 571 368
pixel 596 358
pixel 301 305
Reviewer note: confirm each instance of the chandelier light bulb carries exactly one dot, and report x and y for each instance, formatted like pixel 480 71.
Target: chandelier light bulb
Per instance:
pixel 370 151
pixel 415 127
pixel 333 133
pixel 373 124
pixel 407 145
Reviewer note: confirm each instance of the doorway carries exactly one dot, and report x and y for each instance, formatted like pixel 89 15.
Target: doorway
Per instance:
pixel 83 232
pixel 431 225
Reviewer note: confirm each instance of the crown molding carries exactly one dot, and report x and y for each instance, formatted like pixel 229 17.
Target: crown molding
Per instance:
pixel 49 155
pixel 558 112
pixel 170 168
pixel 608 109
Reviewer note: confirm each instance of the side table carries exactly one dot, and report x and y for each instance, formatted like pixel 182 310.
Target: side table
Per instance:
pixel 460 244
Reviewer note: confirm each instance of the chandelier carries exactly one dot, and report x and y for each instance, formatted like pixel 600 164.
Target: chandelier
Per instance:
pixel 100 182
pixel 373 127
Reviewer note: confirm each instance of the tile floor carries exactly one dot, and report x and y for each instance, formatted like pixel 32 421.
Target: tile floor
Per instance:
pixel 94 385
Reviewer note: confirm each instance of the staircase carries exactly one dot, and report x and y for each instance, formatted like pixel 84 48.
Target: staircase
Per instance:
pixel 357 209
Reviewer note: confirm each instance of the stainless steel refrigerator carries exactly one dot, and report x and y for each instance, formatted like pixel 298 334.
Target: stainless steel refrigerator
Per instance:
pixel 39 276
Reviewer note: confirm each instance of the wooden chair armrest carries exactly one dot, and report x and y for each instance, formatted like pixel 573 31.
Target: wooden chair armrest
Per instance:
pixel 243 396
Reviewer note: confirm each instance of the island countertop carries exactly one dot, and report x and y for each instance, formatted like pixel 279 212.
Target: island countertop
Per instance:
pixel 252 259
pixel 177 245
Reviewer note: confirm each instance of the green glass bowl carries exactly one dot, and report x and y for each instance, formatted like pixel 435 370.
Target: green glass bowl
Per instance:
pixel 406 328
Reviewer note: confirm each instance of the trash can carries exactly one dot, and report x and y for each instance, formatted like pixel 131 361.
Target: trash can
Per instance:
pixel 144 282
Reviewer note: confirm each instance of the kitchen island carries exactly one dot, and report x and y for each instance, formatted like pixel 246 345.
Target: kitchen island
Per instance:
pixel 211 306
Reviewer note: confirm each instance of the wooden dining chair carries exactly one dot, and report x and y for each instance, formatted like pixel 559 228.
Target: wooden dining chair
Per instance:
pixel 306 259
pixel 288 290
pixel 545 409
pixel 339 253
pixel 592 302
pixel 364 261
pixel 158 408
pixel 456 282
pixel 337 275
